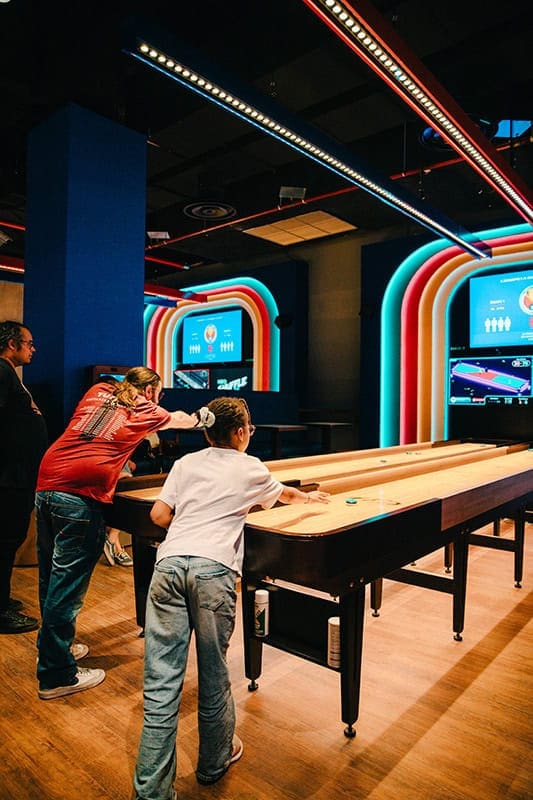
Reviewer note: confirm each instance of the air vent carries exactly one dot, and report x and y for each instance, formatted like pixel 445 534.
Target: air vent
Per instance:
pixel 210 211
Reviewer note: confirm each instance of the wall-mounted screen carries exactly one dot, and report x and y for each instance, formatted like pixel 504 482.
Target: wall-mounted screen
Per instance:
pixel 191 379
pixel 231 379
pixel 501 309
pixel 103 371
pixel 212 338
pixel 492 380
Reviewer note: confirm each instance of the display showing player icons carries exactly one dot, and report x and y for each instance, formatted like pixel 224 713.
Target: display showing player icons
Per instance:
pixel 501 309
pixel 497 325
pixel 211 338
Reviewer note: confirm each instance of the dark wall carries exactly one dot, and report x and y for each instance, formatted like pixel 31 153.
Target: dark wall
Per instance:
pixel 279 407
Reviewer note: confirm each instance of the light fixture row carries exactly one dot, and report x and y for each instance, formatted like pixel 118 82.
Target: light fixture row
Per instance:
pixel 201 84
pixel 351 26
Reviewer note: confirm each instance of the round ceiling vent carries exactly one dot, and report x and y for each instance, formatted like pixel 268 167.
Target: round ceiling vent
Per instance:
pixel 209 211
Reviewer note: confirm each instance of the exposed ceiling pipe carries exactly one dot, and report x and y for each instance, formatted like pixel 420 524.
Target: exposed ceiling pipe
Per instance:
pixel 276 210
pixel 314 199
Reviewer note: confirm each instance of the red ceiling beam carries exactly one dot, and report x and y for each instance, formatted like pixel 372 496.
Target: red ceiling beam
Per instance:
pixel 497 172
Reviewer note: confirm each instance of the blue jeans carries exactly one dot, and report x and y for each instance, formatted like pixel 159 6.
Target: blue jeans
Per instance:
pixel 70 540
pixel 186 593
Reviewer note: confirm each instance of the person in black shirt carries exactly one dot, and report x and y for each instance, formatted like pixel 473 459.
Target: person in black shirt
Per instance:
pixel 23 439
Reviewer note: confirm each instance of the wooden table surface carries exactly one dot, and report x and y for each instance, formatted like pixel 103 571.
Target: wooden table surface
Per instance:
pixel 464 492
pixel 361 467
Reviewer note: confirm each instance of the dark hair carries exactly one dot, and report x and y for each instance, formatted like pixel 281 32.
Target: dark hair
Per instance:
pixel 10 330
pixel 230 413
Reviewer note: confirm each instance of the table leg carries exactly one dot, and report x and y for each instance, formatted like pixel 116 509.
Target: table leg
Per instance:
pixel 351 613
pixel 144 554
pixel 460 563
pixel 253 647
pixel 276 444
pixel 326 439
pixel 376 596
pixel 519 531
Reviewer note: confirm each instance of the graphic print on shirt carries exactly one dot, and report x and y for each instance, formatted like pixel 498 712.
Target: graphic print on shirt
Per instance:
pixel 102 417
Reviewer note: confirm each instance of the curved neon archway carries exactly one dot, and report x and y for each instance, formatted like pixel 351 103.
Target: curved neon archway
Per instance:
pixel 414 330
pixel 161 328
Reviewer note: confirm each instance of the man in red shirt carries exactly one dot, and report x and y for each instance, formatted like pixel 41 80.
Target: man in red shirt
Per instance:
pixel 77 477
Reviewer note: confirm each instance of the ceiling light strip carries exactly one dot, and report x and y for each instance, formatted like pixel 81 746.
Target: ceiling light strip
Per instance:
pixel 235 223
pixel 202 85
pixel 364 32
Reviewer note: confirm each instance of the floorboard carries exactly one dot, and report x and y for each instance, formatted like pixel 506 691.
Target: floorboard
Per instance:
pixel 439 719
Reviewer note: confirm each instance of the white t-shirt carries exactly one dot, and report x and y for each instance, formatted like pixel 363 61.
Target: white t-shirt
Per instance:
pixel 211 492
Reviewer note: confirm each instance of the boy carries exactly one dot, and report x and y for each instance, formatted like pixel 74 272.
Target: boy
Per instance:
pixel 203 503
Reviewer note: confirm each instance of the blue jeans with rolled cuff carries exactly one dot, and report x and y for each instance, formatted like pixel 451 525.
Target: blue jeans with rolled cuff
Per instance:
pixel 70 539
pixel 186 593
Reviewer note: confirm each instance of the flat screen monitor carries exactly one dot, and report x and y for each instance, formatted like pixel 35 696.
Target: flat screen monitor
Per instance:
pixel 232 379
pixel 501 310
pixel 191 379
pixel 102 371
pixel 213 338
pixel 502 380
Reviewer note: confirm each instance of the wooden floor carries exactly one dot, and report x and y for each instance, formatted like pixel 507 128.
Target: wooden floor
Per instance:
pixel 439 719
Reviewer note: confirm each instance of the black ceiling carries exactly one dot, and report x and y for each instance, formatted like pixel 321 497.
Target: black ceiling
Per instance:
pixel 202 159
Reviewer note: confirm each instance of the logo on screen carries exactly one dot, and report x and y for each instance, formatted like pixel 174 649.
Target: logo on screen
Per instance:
pixel 210 333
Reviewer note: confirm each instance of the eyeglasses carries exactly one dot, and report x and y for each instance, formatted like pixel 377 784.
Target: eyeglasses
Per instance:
pixel 29 342
pixel 251 429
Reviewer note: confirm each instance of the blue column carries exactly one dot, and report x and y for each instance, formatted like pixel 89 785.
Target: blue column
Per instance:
pixel 84 255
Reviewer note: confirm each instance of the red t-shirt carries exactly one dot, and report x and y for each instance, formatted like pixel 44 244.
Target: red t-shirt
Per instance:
pixel 101 435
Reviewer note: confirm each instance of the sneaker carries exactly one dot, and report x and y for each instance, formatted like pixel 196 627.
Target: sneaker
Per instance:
pixel 14 622
pixel 236 753
pixel 123 559
pixel 14 605
pixel 109 552
pixel 79 650
pixel 85 679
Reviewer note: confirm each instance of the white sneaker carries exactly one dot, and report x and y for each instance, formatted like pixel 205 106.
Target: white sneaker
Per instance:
pixel 79 650
pixel 236 753
pixel 123 559
pixel 109 552
pixel 85 679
